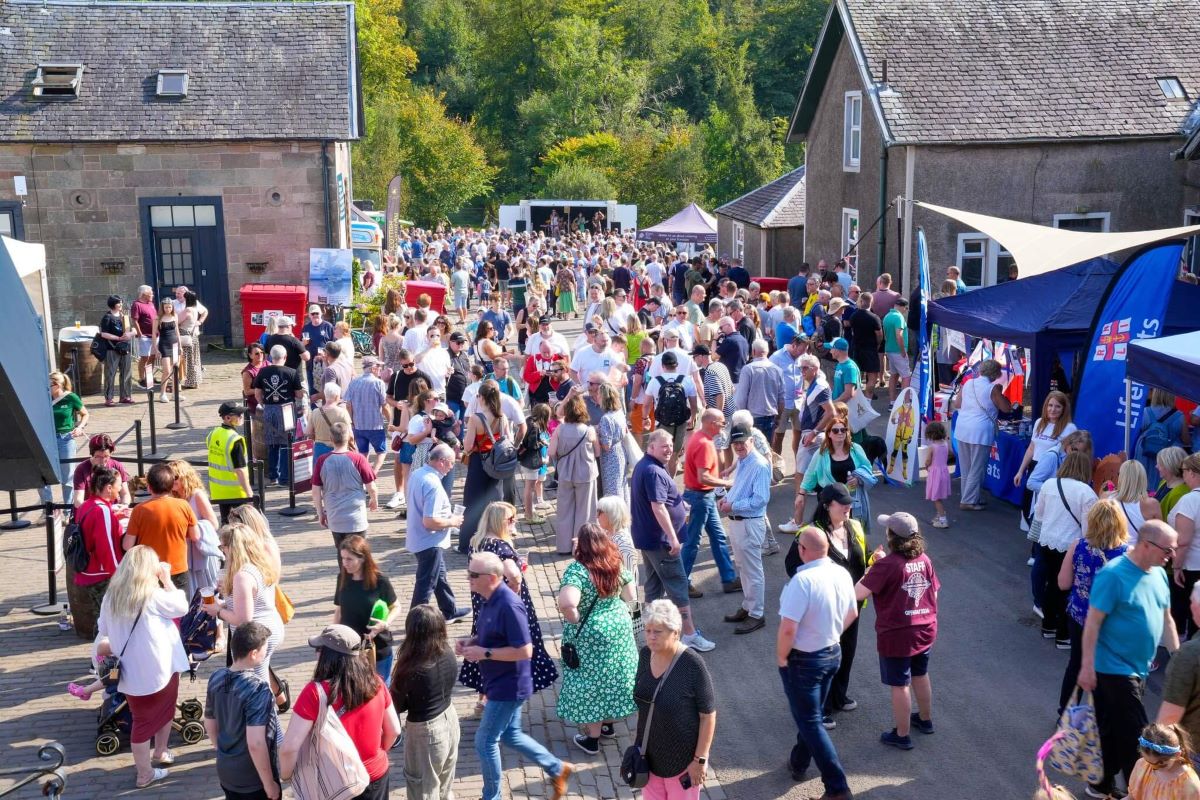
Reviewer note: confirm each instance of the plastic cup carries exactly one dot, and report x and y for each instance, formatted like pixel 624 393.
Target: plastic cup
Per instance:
pixel 459 510
pixel 208 596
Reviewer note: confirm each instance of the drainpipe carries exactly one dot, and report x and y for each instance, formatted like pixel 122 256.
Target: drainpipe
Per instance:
pixel 325 191
pixel 881 247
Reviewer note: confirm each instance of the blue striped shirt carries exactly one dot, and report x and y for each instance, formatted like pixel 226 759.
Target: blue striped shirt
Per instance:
pixel 751 486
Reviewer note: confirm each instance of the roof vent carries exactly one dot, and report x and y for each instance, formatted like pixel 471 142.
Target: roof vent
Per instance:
pixel 1171 88
pixel 172 83
pixel 57 80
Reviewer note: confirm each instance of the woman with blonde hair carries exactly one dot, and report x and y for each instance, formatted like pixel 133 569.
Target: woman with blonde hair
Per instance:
pixel 390 345
pixel 345 343
pixel 1136 504
pixel 204 557
pixel 1050 429
pixel 70 418
pixel 248 588
pixel 497 527
pixel 613 517
pixel 246 514
pixel 1162 425
pixel 1105 539
pixel 610 432
pixel 1169 464
pixel 137 617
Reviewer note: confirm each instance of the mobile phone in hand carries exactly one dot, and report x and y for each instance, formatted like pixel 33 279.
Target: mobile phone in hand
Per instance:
pixel 685 780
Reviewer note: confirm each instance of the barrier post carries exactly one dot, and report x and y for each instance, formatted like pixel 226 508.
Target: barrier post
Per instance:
pixel 153 427
pixel 52 606
pixel 16 523
pixel 178 424
pixel 292 510
pixel 137 435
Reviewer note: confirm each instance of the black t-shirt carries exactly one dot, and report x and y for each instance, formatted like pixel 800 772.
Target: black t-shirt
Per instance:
pixel 686 695
pixel 460 377
pixel 114 324
pixel 502 269
pixel 864 323
pixel 398 388
pixel 732 351
pixel 841 469
pixel 622 278
pixel 279 385
pixel 294 347
pixel 356 602
pixel 746 328
pixel 237 456
pixel 427 691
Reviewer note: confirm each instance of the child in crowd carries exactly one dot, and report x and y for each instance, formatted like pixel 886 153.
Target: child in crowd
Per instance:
pixel 937 474
pixel 101 661
pixel 1164 772
pixel 535 479
pixel 485 288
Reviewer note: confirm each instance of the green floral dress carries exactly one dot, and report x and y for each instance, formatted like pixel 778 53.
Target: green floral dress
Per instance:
pixel 602 688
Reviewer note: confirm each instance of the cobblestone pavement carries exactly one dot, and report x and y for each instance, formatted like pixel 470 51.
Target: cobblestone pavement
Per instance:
pixel 37 660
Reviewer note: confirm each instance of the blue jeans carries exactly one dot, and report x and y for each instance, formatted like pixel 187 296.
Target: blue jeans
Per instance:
pixel 279 462
pixel 384 667
pixel 806 681
pixel 431 580
pixel 703 516
pixel 766 425
pixel 66 449
pixel 501 722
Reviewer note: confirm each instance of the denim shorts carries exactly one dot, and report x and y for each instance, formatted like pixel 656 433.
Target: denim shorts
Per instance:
pixel 900 670
pixel 373 439
pixel 405 455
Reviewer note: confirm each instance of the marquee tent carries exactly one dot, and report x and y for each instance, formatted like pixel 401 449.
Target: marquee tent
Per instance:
pixel 693 225
pixel 1051 314
pixel 1171 363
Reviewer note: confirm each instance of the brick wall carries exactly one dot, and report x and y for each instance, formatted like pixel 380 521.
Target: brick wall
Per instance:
pixel 82 203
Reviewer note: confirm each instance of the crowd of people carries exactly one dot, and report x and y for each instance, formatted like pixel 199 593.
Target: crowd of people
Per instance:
pixel 662 426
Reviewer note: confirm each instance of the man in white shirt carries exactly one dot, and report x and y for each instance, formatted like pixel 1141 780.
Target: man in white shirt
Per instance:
pixel 435 360
pixel 415 340
pixel 624 310
pixel 816 605
pixel 671 344
pixel 654 270
pixel 597 358
pixel 558 342
pixel 682 328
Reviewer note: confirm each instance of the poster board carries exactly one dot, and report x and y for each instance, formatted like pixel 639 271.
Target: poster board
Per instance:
pixel 302 465
pixel 330 276
pixel 902 435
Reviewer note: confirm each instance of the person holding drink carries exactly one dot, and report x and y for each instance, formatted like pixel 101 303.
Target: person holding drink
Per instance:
pixel 836 462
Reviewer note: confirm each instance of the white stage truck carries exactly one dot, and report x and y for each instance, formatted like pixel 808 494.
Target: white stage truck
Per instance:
pixel 557 217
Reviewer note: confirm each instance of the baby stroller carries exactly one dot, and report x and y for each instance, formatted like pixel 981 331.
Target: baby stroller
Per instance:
pixel 199 634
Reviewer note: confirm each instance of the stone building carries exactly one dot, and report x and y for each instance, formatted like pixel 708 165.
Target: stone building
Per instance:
pixel 765 227
pixel 204 144
pixel 1056 112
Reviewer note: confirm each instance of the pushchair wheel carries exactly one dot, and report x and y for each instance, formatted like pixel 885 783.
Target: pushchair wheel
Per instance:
pixel 192 732
pixel 107 744
pixel 191 710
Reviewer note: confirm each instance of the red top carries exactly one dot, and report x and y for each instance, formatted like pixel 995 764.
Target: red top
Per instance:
pixel 102 537
pixel 364 724
pixel 143 315
pixel 700 453
pixel 905 594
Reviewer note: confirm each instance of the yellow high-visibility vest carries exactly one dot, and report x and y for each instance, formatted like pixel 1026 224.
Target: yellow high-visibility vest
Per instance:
pixel 223 483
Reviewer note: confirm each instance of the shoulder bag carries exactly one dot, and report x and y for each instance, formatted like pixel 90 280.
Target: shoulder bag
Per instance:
pixel 328 766
pixel 635 770
pixel 570 655
pixel 501 461
pixel 114 664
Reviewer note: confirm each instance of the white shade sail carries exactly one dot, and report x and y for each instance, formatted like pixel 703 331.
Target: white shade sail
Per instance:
pixel 1040 248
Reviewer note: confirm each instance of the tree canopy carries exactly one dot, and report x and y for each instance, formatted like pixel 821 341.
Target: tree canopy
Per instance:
pixel 653 102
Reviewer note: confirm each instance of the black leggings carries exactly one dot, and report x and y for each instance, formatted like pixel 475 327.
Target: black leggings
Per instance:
pixel 1072 673
pixel 1054 600
pixel 838 689
pixel 1181 598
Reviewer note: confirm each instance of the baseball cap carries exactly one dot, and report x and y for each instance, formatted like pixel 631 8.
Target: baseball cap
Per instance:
pixel 284 322
pixel 590 327
pixel 369 361
pixel 228 408
pixel 339 638
pixel 546 321
pixel 442 407
pixel 739 433
pixel 701 350
pixel 901 524
pixel 836 493
pixel 838 344
pixel 458 336
pixel 669 359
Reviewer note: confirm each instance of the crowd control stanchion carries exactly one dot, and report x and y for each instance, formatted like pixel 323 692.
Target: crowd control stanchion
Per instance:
pixel 52 606
pixel 178 424
pixel 153 428
pixel 292 510
pixel 141 460
pixel 16 523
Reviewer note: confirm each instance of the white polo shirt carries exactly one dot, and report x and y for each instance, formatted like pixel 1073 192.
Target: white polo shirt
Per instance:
pixel 817 598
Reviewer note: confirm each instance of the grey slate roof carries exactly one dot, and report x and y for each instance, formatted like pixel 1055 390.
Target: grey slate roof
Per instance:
pixel 256 71
pixel 1011 70
pixel 778 204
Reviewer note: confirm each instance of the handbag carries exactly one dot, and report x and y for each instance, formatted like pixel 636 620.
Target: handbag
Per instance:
pixel 281 691
pixel 114 670
pixel 328 766
pixel 570 654
pixel 283 604
pixel 635 770
pixel 639 624
pixel 1077 752
pixel 501 461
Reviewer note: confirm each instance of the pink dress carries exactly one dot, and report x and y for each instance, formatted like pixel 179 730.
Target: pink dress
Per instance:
pixel 937 480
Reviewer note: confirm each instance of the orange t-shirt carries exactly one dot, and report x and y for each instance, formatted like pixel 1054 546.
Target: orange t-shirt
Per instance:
pixel 162 524
pixel 700 453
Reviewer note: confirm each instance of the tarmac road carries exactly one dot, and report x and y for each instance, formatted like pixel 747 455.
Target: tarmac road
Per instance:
pixel 995 680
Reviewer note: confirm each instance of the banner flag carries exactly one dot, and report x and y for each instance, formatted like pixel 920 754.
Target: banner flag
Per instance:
pixel 1134 307
pixel 924 365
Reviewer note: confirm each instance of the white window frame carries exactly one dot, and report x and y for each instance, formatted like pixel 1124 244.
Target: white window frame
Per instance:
pixel 1171 87
pixel 850 245
pixel 1191 250
pixel 852 132
pixel 993 251
pixel 57 81
pixel 1105 216
pixel 739 241
pixel 160 91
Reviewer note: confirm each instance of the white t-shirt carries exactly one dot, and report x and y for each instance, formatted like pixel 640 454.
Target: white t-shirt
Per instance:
pixel 558 343
pixel 436 364
pixel 416 339
pixel 818 597
pixel 623 312
pixel 587 361
pixel 652 386
pixel 508 406
pixel 1042 442
pixel 546 274
pixel 686 365
pixel 416 425
pixel 1189 506
pixel 684 329
pixel 155 651
pixel 654 272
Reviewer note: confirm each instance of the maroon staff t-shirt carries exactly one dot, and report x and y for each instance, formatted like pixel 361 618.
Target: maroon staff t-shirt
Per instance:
pixel 905 596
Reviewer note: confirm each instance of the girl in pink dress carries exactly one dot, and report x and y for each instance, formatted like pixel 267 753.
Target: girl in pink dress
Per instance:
pixel 937 474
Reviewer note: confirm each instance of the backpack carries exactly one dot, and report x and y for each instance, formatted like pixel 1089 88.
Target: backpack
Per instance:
pixel 74 547
pixel 529 452
pixel 198 630
pixel 672 405
pixel 1157 436
pixel 328 766
pixel 501 461
pixel 99 347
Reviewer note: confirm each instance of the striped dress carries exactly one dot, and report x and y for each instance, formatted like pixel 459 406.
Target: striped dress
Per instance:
pixel 264 613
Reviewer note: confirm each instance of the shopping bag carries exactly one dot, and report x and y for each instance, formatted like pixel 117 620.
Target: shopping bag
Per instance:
pixel 861 412
pixel 1077 752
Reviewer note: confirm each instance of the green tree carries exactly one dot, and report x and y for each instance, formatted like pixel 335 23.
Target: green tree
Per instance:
pixel 578 181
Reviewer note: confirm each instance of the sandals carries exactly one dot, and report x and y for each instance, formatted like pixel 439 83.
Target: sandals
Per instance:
pixel 75 690
pixel 159 774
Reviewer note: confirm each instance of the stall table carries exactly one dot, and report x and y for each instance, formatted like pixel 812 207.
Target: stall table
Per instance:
pixel 1003 462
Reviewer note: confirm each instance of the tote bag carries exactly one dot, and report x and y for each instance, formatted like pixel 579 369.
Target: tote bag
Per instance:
pixel 328 766
pixel 1077 752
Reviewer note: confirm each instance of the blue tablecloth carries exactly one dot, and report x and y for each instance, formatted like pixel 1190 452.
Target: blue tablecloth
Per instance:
pixel 1003 463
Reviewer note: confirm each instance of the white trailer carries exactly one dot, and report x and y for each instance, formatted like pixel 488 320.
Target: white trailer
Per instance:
pixel 535 215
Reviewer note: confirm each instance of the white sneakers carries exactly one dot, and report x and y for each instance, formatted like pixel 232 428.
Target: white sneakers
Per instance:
pixel 396 501
pixel 791 526
pixel 697 642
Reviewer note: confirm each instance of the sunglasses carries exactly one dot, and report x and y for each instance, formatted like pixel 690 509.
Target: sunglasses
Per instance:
pixel 1167 550
pixel 475 575
pixel 407 365
pixel 837 430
